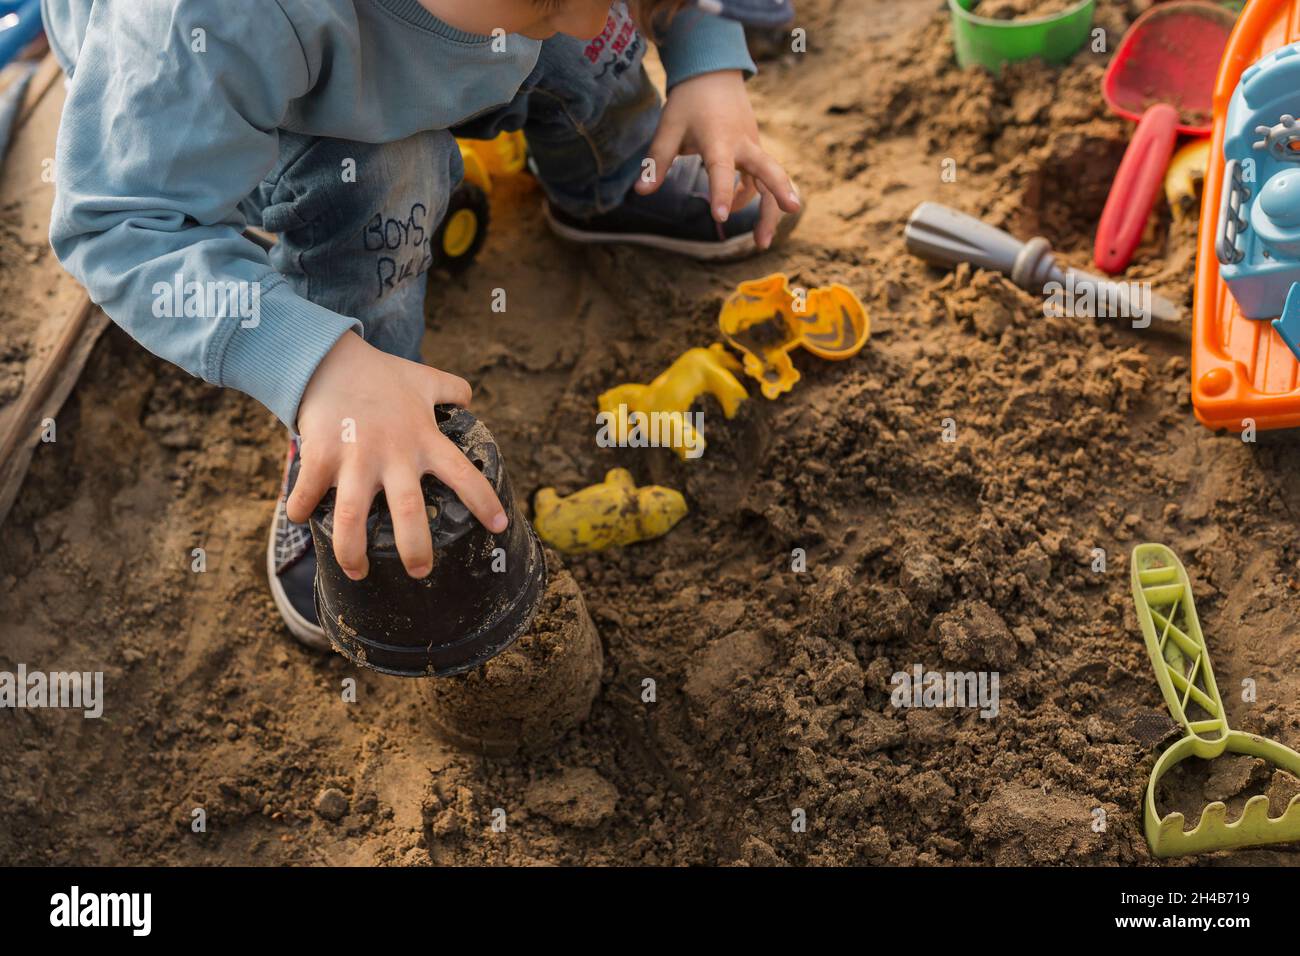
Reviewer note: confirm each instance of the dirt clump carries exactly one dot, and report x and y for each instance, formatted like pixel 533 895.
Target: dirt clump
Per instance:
pixel 714 669
pixel 973 633
pixel 332 804
pixel 578 797
pixel 1282 789
pixel 537 690
pixel 1023 826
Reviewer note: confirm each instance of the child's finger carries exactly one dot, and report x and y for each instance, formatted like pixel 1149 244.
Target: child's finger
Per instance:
pixel 451 389
pixel 722 184
pixel 663 150
pixel 313 481
pixel 770 173
pixel 351 506
pixel 410 522
pixel 769 215
pixel 457 472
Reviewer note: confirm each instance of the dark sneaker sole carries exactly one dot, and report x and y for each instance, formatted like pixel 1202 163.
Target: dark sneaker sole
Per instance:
pixel 726 250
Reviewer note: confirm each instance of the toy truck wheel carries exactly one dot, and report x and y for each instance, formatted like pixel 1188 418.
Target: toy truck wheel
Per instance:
pixel 463 231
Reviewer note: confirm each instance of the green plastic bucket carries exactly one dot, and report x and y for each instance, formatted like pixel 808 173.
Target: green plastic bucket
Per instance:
pixel 986 42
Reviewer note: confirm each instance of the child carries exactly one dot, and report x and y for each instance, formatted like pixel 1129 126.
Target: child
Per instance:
pixel 332 124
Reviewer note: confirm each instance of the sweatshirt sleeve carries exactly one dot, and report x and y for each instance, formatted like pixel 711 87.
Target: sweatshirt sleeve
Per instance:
pixel 696 43
pixel 171 121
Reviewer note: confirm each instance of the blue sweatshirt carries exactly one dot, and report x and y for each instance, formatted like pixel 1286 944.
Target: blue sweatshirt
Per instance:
pixel 158 146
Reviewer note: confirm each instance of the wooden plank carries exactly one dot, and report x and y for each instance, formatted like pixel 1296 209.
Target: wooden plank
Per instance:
pixel 45 308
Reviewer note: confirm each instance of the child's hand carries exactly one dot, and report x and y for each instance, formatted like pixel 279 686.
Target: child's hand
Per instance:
pixel 710 115
pixel 394 441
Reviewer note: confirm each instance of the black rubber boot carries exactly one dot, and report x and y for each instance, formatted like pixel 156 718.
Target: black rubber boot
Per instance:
pixel 479 598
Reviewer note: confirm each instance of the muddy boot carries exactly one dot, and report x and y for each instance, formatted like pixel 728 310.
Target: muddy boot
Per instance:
pixel 530 696
pixel 291 566
pixel 479 598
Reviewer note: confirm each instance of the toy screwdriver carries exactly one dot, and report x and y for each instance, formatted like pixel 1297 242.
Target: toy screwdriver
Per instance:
pixel 946 237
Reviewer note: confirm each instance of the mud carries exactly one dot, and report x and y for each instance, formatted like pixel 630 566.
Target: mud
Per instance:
pixel 1021 9
pixel 769 700
pixel 530 696
pixel 15 342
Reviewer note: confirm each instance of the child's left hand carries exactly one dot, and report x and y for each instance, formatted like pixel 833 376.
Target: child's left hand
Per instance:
pixel 710 115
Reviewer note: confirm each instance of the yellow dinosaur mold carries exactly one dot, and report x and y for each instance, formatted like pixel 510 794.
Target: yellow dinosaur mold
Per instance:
pixel 632 412
pixel 765 320
pixel 611 514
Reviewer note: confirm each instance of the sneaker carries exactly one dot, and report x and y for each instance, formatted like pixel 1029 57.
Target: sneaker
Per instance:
pixel 676 218
pixel 291 566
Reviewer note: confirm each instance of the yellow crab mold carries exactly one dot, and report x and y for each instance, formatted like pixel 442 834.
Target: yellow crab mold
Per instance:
pixel 765 320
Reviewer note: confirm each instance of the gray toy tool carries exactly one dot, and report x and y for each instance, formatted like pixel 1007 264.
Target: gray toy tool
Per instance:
pixel 946 237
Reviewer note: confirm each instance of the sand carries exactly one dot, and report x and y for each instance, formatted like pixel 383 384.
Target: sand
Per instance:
pixel 527 698
pixel 1021 9
pixel 770 687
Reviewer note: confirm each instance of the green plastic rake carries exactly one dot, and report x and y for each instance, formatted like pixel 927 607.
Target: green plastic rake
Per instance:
pixel 1167 614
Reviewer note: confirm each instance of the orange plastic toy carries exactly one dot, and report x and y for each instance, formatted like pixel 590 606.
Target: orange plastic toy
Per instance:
pixel 765 320
pixel 1241 368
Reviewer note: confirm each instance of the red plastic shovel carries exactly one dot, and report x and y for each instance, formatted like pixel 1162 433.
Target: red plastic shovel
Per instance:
pixel 1162 76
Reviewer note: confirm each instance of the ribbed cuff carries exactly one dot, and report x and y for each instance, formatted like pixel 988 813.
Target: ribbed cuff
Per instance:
pixel 414 13
pixel 697 43
pixel 272 355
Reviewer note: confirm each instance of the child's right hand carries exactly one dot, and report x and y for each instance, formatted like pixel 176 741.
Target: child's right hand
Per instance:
pixel 384 404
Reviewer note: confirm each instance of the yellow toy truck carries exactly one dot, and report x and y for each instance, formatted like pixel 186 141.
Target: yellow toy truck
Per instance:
pixel 460 237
